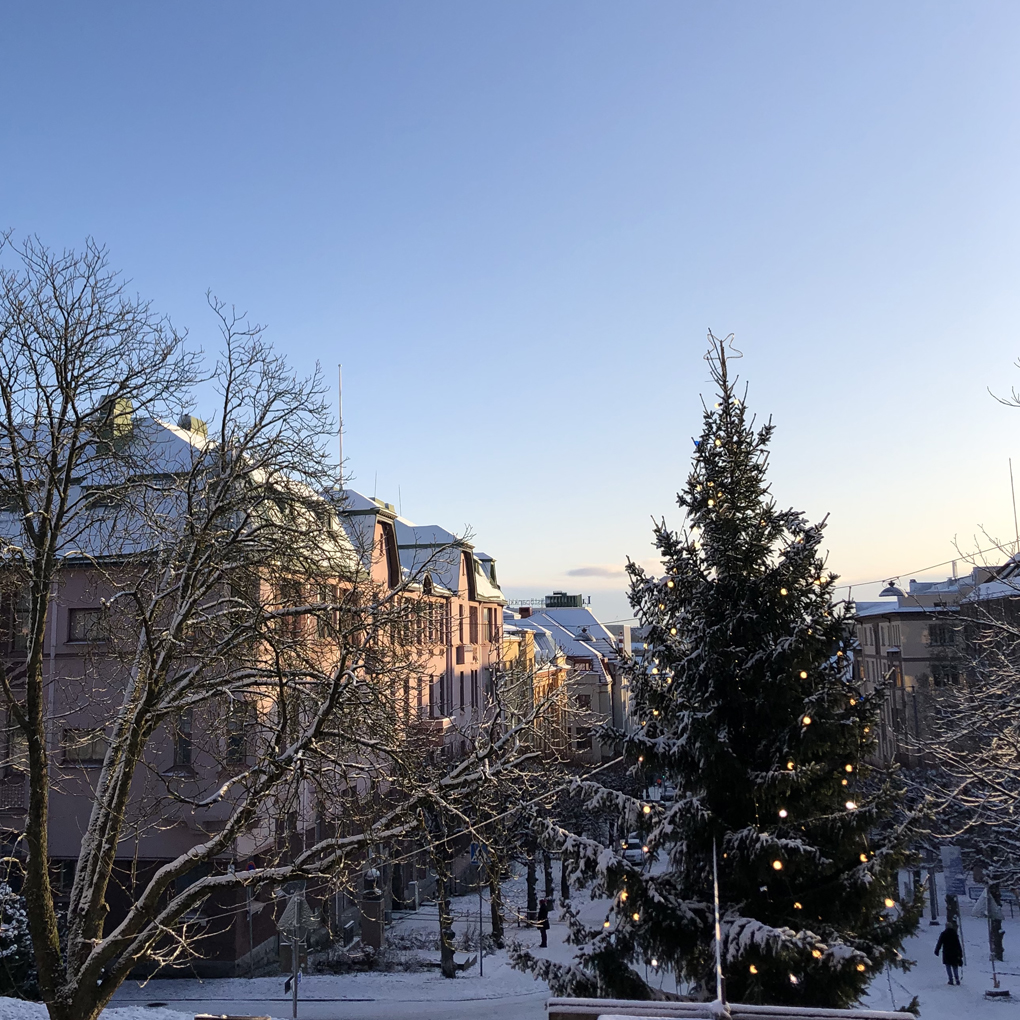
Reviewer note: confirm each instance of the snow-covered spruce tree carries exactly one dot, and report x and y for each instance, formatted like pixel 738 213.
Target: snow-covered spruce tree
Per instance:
pixel 17 963
pixel 745 701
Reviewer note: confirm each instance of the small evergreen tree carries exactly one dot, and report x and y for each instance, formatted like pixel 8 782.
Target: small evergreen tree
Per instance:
pixel 17 962
pixel 745 700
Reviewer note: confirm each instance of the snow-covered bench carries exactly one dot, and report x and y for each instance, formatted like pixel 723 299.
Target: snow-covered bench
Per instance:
pixel 638 1009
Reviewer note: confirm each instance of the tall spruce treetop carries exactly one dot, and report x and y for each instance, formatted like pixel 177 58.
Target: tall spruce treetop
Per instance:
pixel 745 700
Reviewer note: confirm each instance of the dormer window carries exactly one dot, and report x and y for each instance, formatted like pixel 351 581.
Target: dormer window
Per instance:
pixel 388 541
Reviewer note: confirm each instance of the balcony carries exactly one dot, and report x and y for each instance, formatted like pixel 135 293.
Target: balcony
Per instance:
pixel 13 792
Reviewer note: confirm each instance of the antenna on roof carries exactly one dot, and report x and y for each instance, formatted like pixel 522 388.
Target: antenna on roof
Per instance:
pixel 340 418
pixel 1016 530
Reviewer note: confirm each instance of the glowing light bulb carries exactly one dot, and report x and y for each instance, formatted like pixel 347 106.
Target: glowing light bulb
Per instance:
pixel 816 953
pixel 623 895
pixel 655 963
pixel 807 720
pixel 861 967
pixel 782 591
pixel 777 865
pixel 864 858
pixel 753 969
pixel 711 502
pixel 662 605
pixel 789 765
pixel 867 729
pixel 669 584
pixel 782 812
pixel 793 979
pixel 853 701
pixel 803 674
pixel 605 924
pixel 647 810
pixel 849 768
pixel 644 849
pixel 798 906
pixel 890 903
pixel 844 783
pixel 851 806
pixel 672 630
pixel 641 758
pixel 655 711
pixel 636 916
pixel 718 442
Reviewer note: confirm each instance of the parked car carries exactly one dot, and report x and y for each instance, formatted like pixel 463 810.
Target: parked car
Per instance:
pixel 634 851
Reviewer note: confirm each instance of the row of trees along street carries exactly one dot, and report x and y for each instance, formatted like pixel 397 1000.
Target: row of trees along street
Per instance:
pixel 238 619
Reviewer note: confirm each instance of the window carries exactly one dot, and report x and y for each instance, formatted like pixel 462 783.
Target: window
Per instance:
pixel 474 688
pixel 583 741
pixel 890 635
pixel 584 702
pixel 182 739
pixel 473 625
pixel 84 746
pixel 941 634
pixel 324 620
pixel 87 625
pixel 16 751
pixel 290 596
pixel 388 543
pixel 462 690
pixel 15 620
pixel 237 736
pixel 460 625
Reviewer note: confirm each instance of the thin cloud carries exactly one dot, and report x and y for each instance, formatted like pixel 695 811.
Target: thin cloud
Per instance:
pixel 597 572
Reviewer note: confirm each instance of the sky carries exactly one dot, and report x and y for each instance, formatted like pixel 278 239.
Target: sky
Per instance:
pixel 514 224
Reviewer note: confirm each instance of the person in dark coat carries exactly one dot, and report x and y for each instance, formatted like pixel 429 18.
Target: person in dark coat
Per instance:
pixel 952 952
pixel 543 920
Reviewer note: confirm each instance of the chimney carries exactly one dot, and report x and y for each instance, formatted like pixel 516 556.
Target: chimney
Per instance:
pixel 525 612
pixel 190 423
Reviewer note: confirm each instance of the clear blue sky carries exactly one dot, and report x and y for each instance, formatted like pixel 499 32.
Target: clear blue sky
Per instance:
pixel 514 222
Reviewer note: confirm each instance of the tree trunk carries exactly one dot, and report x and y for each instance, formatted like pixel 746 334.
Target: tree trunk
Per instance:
pixel 445 929
pixel 496 902
pixel 547 869
pixel 564 884
pixel 532 887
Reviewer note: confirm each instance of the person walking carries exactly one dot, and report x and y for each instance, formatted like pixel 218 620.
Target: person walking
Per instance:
pixel 543 921
pixel 952 952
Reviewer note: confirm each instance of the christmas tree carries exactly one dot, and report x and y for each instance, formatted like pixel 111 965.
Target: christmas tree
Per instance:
pixel 745 700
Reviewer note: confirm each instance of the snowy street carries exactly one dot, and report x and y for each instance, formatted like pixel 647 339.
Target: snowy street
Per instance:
pixel 505 994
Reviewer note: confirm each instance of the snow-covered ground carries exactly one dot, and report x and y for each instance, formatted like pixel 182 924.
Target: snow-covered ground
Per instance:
pixel 505 994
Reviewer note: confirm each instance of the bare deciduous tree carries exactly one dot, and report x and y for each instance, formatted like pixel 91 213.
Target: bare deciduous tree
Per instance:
pixel 245 675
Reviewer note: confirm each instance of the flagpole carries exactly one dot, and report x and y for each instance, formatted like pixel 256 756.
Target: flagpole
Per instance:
pixel 719 993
